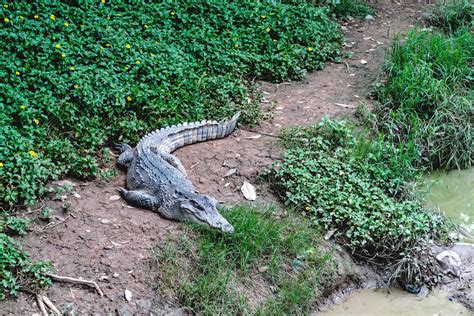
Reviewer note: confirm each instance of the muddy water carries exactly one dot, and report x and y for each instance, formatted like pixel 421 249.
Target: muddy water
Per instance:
pixel 392 302
pixel 453 194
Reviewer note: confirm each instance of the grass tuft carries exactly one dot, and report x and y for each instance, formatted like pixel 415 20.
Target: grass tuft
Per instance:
pixel 427 97
pixel 207 271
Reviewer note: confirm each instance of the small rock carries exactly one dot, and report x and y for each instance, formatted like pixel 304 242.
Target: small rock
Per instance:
pixel 105 221
pixel 128 295
pixel 115 275
pixel 230 172
pixel 248 191
pixel 104 278
pixel 329 234
pixel 369 17
pixel 363 61
pixel 226 185
pixel 263 269
pixel 77 195
pixel 114 197
pixel 65 183
pixel 423 292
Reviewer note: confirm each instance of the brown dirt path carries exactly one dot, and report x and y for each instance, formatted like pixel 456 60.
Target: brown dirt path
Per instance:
pixel 112 243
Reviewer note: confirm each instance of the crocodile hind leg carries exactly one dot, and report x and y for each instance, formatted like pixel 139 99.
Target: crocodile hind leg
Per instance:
pixel 126 154
pixel 140 198
pixel 172 160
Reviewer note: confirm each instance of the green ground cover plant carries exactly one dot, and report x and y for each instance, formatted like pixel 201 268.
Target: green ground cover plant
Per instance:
pixel 427 97
pixel 17 271
pixel 206 270
pixel 76 77
pixel 360 186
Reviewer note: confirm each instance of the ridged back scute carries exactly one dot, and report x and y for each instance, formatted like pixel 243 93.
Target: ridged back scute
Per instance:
pixel 171 138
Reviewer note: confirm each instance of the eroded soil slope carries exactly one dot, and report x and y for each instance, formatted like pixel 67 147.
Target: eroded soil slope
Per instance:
pixel 108 241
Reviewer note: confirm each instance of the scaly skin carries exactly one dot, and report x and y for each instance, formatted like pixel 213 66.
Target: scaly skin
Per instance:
pixel 157 180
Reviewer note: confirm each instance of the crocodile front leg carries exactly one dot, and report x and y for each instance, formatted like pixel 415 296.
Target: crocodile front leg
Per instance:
pixel 126 154
pixel 140 198
pixel 172 160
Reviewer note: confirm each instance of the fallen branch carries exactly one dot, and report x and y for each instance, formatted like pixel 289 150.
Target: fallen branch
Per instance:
pixel 51 305
pixel 77 281
pixel 39 300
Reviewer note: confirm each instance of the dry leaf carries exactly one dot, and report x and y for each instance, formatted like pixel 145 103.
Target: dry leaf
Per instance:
pixel 248 191
pixel 254 136
pixel 114 197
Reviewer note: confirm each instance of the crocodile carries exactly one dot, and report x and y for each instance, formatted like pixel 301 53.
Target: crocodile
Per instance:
pixel 157 180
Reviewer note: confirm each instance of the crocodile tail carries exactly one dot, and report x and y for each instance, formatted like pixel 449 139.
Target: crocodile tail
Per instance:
pixel 171 138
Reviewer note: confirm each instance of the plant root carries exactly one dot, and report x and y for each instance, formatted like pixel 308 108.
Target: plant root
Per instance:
pixel 39 300
pixel 51 306
pixel 77 281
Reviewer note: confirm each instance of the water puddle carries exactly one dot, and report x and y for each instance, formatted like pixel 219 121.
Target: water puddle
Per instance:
pixel 393 302
pixel 453 194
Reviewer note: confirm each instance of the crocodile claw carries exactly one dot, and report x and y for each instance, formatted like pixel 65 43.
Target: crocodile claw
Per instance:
pixel 122 191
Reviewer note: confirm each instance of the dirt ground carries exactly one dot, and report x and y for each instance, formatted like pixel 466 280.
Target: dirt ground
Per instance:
pixel 111 242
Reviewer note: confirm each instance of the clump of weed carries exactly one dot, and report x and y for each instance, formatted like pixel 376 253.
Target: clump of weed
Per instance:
pixel 203 269
pixel 427 97
pixel 451 16
pixel 17 272
pixel 360 187
pixel 75 78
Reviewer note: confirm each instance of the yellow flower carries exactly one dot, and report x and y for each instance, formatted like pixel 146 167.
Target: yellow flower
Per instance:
pixel 52 17
pixel 263 17
pixel 36 121
pixel 22 107
pixel 32 153
pixel 6 20
pixel 76 86
pixel 58 46
pixel 236 45
pixel 66 24
pixel 307 208
pixel 108 45
pixel 267 29
pixel 137 62
pixel 36 17
pixel 54 38
pixel 310 49
pixel 108 18
pixel 103 1
pixel 126 67
pixel 21 17
pixel 129 98
pixel 72 68
pixel 17 73
pixel 63 55
pixel 172 13
pixel 5 6
pixel 119 14
pixel 145 26
pixel 1 164
pixel 152 55
pixel 128 46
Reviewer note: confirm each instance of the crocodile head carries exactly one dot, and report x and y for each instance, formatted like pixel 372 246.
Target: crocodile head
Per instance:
pixel 202 209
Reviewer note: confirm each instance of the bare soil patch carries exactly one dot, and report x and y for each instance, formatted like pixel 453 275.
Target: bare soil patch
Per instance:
pixel 113 243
